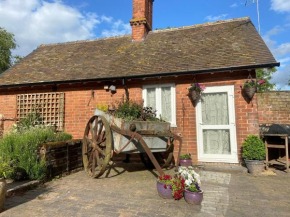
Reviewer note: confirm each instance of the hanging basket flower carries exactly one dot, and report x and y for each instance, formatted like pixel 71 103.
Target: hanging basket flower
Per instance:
pixel 250 87
pixel 194 91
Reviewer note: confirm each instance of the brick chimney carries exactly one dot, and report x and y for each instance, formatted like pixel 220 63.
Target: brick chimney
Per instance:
pixel 142 19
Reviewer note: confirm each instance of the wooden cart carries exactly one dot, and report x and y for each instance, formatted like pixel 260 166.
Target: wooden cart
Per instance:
pixel 105 135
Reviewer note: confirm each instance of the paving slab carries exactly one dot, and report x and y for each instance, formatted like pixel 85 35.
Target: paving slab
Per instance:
pixel 130 190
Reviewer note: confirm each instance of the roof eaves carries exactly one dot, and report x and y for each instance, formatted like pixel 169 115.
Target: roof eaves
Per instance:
pixel 232 68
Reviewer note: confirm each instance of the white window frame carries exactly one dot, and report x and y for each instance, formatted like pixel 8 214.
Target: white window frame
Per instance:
pixel 158 99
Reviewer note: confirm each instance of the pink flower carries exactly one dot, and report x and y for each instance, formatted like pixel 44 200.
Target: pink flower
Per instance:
pixel 262 82
pixel 202 87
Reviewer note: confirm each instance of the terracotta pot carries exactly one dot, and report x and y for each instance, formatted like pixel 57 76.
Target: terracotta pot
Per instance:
pixel 185 162
pixel 194 95
pixel 250 91
pixel 193 197
pixel 165 193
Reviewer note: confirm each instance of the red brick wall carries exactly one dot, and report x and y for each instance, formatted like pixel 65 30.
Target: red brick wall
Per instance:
pixel 78 111
pixel 274 107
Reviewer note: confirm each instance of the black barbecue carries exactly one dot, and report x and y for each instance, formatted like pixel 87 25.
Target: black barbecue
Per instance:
pixel 279 129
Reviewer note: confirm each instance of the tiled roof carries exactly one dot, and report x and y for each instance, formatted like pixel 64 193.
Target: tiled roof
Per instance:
pixel 212 46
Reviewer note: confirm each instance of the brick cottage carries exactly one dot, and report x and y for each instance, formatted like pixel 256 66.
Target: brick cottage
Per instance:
pixel 155 66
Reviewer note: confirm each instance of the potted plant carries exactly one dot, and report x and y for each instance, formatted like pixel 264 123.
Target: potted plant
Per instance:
pixel 185 160
pixel 164 188
pixel 194 91
pixel 193 194
pixel 254 154
pixel 250 87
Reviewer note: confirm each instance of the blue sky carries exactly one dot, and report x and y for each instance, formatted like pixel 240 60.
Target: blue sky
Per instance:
pixel 36 22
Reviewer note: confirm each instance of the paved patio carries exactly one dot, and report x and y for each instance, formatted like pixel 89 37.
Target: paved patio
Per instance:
pixel 130 190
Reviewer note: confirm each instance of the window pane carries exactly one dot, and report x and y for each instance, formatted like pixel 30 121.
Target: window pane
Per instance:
pixel 216 142
pixel 166 103
pixel 215 109
pixel 151 98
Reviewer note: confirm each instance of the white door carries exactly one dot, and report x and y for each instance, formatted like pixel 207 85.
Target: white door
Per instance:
pixel 216 125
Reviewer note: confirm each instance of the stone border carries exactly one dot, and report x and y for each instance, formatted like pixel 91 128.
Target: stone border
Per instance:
pixel 24 187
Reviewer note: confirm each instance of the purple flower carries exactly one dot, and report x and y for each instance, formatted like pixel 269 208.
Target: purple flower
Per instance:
pixel 197 187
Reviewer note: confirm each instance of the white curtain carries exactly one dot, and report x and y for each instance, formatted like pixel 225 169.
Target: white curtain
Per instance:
pixel 166 103
pixel 215 112
pixel 151 98
pixel 215 109
pixel 216 142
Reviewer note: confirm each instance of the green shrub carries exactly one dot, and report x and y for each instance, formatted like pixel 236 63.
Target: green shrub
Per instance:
pixel 7 169
pixel 253 148
pixel 21 148
pixel 33 119
pixel 63 137
pixel 128 110
pixel 135 112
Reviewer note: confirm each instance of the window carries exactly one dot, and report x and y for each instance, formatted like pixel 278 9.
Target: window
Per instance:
pixel 161 98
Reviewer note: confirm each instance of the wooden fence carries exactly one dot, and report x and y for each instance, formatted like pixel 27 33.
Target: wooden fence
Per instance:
pixel 62 157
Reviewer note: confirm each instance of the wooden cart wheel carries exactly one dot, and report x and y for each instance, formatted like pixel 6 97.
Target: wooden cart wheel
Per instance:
pixel 97 146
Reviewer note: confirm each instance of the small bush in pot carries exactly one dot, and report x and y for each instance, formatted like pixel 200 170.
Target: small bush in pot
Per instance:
pixel 254 154
pixel 185 160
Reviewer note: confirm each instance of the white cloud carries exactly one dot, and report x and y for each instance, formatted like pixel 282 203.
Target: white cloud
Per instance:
pixel 282 76
pixel 107 19
pixel 284 60
pixel 275 31
pixel 282 50
pixel 234 5
pixel 280 5
pixel 36 22
pixel 118 28
pixel 212 18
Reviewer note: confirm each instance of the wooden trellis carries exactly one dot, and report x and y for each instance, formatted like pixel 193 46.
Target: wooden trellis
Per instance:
pixel 49 105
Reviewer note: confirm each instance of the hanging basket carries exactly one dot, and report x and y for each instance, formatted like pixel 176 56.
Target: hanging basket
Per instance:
pixel 250 91
pixel 194 95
